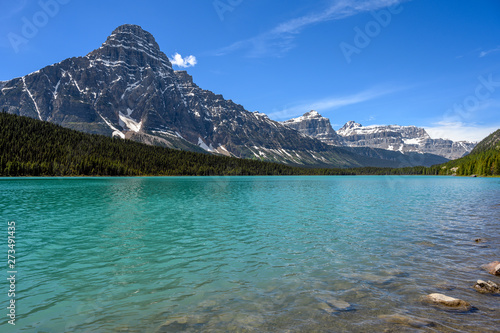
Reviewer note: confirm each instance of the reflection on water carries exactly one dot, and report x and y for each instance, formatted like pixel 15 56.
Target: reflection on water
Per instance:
pixel 256 254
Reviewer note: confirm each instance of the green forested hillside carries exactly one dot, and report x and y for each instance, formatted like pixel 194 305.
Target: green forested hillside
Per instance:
pixel 30 147
pixel 491 142
pixel 484 160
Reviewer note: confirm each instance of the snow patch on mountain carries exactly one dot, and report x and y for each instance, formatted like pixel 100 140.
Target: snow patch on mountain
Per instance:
pixel 131 124
pixel 307 116
pixel 204 146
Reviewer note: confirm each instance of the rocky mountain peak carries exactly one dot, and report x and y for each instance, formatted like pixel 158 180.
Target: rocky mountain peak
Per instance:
pixel 401 138
pixel 306 116
pixel 132 45
pixel 128 32
pixel 184 77
pixel 312 114
pixel 349 126
pixel 314 125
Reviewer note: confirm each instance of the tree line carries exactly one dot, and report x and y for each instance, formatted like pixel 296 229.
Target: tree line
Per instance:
pixel 30 147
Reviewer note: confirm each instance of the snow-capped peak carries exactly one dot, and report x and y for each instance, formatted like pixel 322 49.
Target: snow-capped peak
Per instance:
pixel 308 115
pixel 312 114
pixel 348 127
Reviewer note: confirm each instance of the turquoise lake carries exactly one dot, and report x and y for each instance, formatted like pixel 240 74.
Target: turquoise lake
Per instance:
pixel 250 254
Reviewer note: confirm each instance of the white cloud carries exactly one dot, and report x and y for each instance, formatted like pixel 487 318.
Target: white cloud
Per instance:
pixel 179 61
pixel 280 39
pixel 485 53
pixel 330 103
pixel 458 131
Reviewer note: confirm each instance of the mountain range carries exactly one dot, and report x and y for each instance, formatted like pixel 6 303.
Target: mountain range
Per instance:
pixel 405 139
pixel 31 147
pixel 127 88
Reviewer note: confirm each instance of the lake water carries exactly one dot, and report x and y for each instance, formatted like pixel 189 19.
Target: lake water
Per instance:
pixel 250 254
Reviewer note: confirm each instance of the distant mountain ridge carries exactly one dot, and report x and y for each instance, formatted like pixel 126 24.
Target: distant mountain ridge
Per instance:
pixel 405 139
pixel 128 89
pixel 316 126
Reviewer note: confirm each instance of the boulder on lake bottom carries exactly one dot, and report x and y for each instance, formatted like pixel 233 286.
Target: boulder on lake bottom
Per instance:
pixel 406 320
pixel 447 301
pixel 331 305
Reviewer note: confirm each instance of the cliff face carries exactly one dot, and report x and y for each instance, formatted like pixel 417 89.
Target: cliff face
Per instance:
pixel 402 138
pixel 316 126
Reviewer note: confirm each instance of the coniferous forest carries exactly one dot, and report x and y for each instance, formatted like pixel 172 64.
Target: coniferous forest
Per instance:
pixel 34 148
pixel 484 160
pixel 30 147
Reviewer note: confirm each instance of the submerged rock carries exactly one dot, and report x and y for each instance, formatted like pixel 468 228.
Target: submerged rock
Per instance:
pixel 373 278
pixel 331 304
pixel 406 320
pixel 486 287
pixel 493 267
pixel 339 304
pixel 426 243
pixel 173 326
pixel 445 286
pixel 448 301
pixel 181 323
pixel 336 307
pixel 327 308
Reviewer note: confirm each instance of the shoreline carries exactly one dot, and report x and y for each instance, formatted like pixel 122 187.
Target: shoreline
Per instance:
pixel 191 176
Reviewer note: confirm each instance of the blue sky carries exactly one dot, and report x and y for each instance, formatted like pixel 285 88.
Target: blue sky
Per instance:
pixel 434 64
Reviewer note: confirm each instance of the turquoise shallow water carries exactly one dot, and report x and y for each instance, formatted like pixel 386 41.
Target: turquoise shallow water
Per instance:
pixel 250 254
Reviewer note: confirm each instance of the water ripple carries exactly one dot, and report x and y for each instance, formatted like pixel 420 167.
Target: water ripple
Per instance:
pixel 251 254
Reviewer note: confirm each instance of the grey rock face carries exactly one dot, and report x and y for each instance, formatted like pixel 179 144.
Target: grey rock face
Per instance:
pixel 316 126
pixel 402 138
pixel 349 126
pixel 110 91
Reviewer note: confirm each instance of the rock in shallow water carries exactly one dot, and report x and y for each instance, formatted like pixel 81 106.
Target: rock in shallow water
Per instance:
pixel 493 267
pixel 181 323
pixel 331 304
pixel 447 301
pixel 406 320
pixel 486 287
